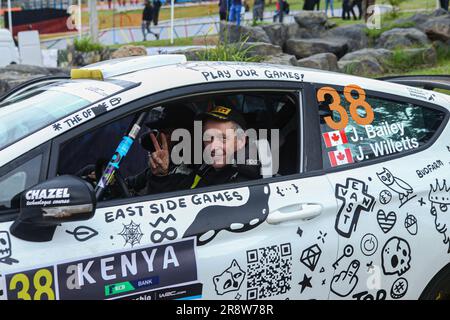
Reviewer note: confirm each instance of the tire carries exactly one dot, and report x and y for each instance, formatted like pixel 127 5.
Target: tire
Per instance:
pixel 439 286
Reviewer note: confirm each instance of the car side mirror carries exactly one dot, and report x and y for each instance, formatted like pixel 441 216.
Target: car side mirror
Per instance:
pixel 48 204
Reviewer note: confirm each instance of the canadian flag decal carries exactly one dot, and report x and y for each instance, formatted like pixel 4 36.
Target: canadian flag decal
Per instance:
pixel 334 138
pixel 340 157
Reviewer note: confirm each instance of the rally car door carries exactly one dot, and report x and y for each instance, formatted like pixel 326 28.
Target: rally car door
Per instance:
pixel 394 175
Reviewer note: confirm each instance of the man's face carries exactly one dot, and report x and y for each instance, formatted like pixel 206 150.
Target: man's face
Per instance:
pixel 221 141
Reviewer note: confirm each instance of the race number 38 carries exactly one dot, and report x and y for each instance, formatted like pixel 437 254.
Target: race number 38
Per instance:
pixel 36 284
pixel 355 103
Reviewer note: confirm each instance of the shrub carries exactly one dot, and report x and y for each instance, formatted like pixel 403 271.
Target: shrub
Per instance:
pixel 225 51
pixel 85 44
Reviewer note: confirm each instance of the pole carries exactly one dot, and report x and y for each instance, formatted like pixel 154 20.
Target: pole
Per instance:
pixel 79 22
pixel 93 20
pixel 10 17
pixel 172 13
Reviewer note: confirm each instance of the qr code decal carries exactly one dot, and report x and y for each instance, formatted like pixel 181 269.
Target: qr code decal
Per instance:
pixel 269 271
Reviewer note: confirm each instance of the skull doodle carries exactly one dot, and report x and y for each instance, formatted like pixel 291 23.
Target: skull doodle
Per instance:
pixel 5 245
pixel 396 256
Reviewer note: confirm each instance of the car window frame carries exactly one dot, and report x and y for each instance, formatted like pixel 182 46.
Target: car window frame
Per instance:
pixel 183 92
pixel 386 96
pixel 44 150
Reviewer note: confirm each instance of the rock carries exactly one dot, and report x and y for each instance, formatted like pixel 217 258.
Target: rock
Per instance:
pixel 303 48
pixel 311 20
pixel 323 61
pixel 261 49
pixel 129 51
pixel 439 12
pixel 399 37
pixel 229 32
pixel 420 56
pixel 77 58
pixel 354 36
pixel 364 67
pixel 32 70
pixel 438 28
pixel 366 61
pixel 192 54
pixel 4 87
pixel 416 20
pixel 293 31
pixel 277 33
pixel 284 59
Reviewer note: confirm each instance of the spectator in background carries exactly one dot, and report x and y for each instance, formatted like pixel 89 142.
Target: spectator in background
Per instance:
pixel 329 3
pixel 223 9
pixel 279 12
pixel 317 4
pixel 147 17
pixel 258 11
pixel 156 7
pixel 444 4
pixel 235 11
pixel 346 9
pixel 358 3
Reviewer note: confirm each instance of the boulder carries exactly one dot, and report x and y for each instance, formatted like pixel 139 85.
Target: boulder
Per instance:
pixel 192 54
pixel 284 59
pixel 438 28
pixel 417 20
pixel 32 70
pixel 323 61
pixel 229 32
pixel 293 31
pixel 366 62
pixel 420 56
pixel 303 48
pixel 400 37
pixel 129 51
pixel 311 20
pixel 277 33
pixel 4 87
pixel 439 12
pixel 365 67
pixel 77 58
pixel 261 49
pixel 353 35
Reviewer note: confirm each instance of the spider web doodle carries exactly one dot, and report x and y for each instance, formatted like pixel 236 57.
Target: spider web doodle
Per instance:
pixel 131 233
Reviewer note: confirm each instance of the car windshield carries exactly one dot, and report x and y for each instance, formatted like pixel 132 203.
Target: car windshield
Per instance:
pixel 37 108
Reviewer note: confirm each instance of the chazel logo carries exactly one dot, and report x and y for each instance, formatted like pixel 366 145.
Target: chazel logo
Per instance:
pixel 47 196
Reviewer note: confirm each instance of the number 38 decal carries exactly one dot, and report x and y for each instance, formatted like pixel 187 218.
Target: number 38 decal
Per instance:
pixel 31 285
pixel 335 105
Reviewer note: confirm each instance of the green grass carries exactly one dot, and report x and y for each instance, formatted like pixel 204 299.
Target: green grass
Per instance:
pixel 160 43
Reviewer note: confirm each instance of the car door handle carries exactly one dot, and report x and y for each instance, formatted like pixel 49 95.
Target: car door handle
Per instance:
pixel 294 212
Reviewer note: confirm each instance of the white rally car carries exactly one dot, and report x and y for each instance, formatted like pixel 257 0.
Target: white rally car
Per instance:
pixel 354 207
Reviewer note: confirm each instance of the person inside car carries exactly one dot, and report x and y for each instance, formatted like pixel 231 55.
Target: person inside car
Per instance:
pixel 159 145
pixel 224 138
